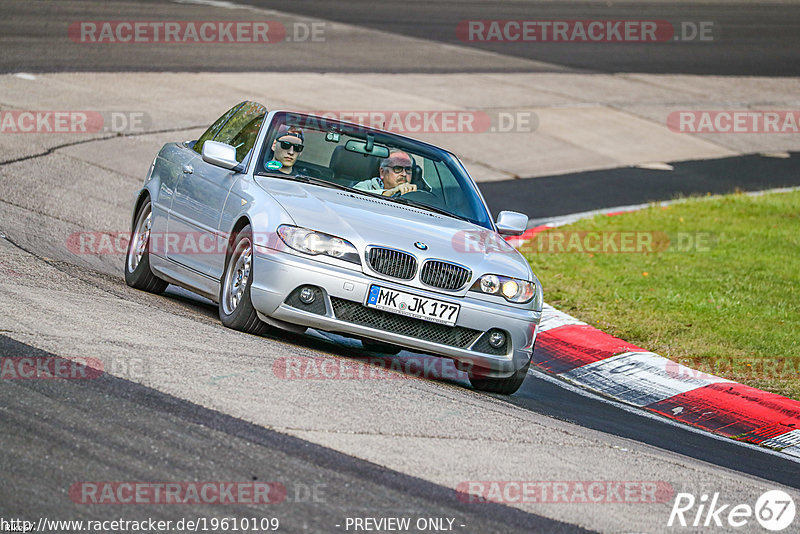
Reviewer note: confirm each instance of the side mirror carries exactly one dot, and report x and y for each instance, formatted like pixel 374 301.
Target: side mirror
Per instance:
pixel 511 223
pixel 219 154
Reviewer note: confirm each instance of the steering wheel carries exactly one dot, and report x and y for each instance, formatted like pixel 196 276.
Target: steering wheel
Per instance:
pixel 423 197
pixel 313 173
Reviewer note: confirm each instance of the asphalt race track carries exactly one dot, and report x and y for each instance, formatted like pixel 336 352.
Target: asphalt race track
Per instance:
pixel 753 38
pixel 185 400
pixel 553 196
pixel 168 435
pixel 749 38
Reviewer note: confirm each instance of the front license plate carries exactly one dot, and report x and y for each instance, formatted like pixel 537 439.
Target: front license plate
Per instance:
pixel 427 309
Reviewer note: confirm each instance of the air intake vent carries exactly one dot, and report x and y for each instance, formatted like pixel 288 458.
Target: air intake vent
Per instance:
pixel 353 312
pixel 392 262
pixel 392 204
pixel 444 275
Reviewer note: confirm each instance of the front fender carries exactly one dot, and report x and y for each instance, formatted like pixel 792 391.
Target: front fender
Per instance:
pixel 247 201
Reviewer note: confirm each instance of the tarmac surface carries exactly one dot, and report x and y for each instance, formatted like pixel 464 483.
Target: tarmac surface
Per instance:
pixel 554 196
pixel 184 399
pixel 742 38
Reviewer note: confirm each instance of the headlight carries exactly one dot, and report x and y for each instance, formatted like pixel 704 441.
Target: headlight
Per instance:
pixel 512 289
pixel 315 243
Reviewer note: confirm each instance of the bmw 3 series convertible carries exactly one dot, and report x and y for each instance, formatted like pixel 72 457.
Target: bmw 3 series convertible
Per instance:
pixel 293 221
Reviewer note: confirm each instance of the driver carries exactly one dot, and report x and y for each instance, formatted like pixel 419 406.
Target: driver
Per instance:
pixel 394 176
pixel 286 148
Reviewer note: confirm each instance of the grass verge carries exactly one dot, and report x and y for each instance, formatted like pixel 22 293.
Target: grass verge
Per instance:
pixel 711 282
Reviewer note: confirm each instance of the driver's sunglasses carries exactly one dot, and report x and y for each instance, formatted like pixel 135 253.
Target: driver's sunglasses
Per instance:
pixel 397 169
pixel 286 145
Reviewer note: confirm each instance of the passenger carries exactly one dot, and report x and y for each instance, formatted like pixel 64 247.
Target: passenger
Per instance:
pixel 286 148
pixel 394 176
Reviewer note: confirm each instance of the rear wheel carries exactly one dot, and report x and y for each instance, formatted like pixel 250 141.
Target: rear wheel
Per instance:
pixel 235 306
pixel 137 261
pixel 504 386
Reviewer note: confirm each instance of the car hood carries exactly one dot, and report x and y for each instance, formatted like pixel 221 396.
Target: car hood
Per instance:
pixel 365 220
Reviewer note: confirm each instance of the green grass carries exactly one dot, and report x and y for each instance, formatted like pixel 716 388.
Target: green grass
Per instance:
pixel 729 307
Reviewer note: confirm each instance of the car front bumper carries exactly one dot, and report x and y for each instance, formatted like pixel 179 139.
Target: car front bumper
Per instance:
pixel 278 275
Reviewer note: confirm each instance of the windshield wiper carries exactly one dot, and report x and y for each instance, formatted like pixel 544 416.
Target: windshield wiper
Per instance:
pixel 409 202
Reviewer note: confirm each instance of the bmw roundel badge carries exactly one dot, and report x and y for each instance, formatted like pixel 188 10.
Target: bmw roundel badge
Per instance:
pixel 420 245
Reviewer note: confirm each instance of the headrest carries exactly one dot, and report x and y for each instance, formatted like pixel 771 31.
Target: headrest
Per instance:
pixel 352 164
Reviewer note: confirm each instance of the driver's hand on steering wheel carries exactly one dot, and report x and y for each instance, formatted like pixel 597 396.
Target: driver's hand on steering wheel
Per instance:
pixel 401 189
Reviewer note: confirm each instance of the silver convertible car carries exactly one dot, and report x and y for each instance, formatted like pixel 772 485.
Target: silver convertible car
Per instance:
pixel 293 221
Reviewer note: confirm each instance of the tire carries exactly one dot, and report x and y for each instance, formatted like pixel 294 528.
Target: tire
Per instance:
pixel 378 346
pixel 235 306
pixel 137 260
pixel 504 386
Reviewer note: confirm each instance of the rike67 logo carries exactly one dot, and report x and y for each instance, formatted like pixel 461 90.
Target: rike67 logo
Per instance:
pixel 774 510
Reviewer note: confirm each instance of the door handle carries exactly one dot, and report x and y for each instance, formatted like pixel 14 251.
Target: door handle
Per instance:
pixel 187 169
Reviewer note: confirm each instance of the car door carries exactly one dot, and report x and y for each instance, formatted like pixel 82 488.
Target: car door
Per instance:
pixel 167 169
pixel 193 227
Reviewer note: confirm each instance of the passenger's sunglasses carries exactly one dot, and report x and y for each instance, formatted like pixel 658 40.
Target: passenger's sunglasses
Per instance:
pixel 397 169
pixel 286 145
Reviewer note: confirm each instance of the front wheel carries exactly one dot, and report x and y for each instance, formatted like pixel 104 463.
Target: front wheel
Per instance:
pixel 235 306
pixel 137 261
pixel 504 386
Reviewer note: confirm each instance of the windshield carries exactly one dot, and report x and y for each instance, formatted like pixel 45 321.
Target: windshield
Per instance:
pixel 376 163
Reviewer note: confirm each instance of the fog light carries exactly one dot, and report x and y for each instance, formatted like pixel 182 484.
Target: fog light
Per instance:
pixel 307 295
pixel 497 339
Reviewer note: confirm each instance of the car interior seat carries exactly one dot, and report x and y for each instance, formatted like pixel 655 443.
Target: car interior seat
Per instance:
pixel 416 179
pixel 350 168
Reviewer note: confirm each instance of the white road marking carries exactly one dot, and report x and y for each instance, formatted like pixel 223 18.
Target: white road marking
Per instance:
pixel 656 166
pixel 793 451
pixel 640 378
pixel 553 318
pixel 788 441
pixel 213 3
pixel 635 410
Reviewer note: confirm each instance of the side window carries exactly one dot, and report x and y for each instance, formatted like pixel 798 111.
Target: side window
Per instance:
pixel 214 128
pixel 240 123
pixel 238 127
pixel 246 138
pixel 452 192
